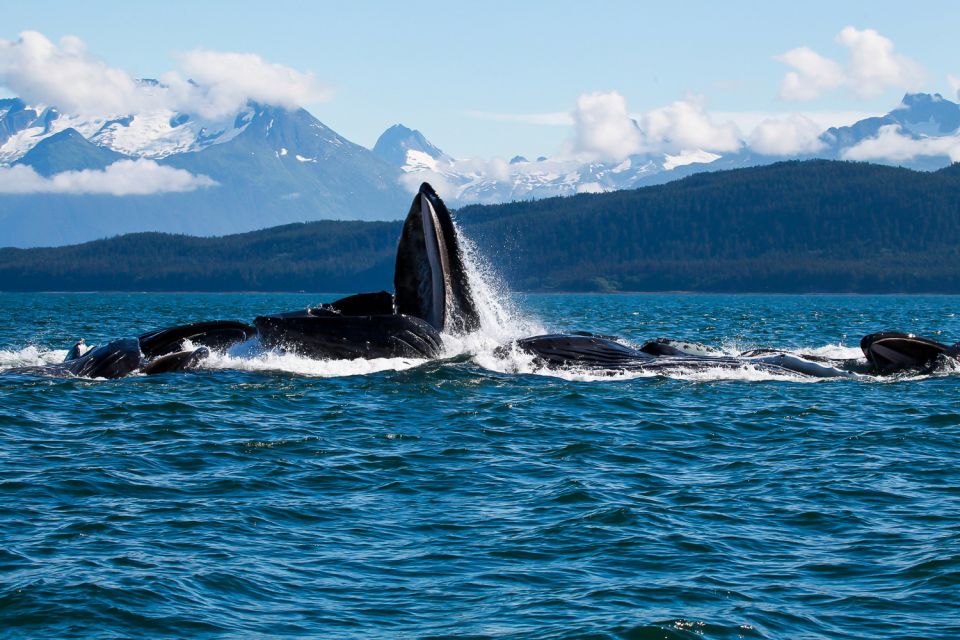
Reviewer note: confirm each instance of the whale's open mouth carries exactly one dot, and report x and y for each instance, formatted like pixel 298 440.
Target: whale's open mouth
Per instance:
pixel 430 279
pixel 433 296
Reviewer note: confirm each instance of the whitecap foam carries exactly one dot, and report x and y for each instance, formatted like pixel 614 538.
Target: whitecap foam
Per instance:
pixel 30 356
pixel 251 356
pixel 501 320
pixel 837 351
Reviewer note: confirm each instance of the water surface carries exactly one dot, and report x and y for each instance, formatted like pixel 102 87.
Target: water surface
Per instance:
pixel 274 496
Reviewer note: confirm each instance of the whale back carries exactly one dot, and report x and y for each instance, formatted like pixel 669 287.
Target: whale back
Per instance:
pixel 430 279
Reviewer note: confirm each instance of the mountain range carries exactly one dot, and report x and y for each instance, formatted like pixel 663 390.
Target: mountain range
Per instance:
pixel 268 166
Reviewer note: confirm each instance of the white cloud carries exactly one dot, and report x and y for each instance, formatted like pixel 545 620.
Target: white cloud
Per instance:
pixel 122 178
pixel 603 128
pixel 222 83
pixel 812 74
pixel 66 76
pixel 210 84
pixel 872 68
pixel 685 125
pixel 892 146
pixel 787 135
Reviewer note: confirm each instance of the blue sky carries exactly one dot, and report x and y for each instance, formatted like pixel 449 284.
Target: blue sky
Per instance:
pixel 477 78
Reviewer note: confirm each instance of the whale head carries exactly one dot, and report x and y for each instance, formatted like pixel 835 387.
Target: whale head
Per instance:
pixel 430 279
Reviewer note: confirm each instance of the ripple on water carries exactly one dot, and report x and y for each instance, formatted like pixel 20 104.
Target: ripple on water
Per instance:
pixel 454 499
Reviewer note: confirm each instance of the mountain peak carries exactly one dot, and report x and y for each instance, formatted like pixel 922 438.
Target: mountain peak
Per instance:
pixel 927 114
pixel 920 99
pixel 67 150
pixel 394 144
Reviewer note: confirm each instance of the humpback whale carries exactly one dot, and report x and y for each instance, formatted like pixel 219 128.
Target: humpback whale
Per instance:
pixel 161 351
pixel 605 354
pixel 886 353
pixel 432 297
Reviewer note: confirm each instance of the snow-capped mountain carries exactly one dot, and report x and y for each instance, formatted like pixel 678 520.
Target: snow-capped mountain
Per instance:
pixel 403 147
pixel 264 166
pixel 147 135
pixel 62 175
pixel 478 181
pixel 919 118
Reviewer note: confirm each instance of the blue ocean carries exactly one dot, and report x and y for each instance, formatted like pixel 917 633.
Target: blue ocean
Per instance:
pixel 267 495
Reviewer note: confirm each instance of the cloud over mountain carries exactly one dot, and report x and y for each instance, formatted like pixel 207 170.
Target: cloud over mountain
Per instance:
pixel 685 125
pixel 604 128
pixel 891 145
pixel 208 83
pixel 122 178
pixel 786 135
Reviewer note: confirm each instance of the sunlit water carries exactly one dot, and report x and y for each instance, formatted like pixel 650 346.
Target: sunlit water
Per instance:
pixel 272 496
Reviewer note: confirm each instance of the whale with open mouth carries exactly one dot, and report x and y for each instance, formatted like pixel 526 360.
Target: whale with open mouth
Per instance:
pixel 432 297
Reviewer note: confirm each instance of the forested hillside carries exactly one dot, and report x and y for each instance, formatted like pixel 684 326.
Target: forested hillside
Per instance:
pixel 794 226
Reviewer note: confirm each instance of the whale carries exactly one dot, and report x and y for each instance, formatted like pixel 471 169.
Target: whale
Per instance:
pixel 893 351
pixel 600 354
pixel 888 352
pixel 173 349
pixel 432 296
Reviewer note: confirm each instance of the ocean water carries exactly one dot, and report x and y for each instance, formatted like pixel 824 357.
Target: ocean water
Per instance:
pixel 273 496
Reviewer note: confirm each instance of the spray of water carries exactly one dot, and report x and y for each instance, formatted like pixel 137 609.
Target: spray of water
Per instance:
pixel 252 356
pixel 30 356
pixel 501 319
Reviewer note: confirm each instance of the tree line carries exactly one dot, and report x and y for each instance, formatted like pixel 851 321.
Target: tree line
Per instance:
pixel 813 226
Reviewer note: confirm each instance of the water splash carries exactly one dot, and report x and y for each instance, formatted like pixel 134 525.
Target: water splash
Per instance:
pixel 252 356
pixel 30 356
pixel 501 320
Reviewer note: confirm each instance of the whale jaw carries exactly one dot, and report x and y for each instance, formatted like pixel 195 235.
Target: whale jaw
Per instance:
pixel 430 279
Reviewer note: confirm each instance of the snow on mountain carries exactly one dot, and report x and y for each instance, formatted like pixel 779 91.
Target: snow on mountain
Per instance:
pixel 689 157
pixel 266 166
pixel 152 134
pixel 920 118
pixel 403 147
pixel 472 181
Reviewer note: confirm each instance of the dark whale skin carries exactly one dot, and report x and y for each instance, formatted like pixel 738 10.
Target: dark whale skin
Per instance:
pixel 113 360
pixel 214 334
pixel 324 334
